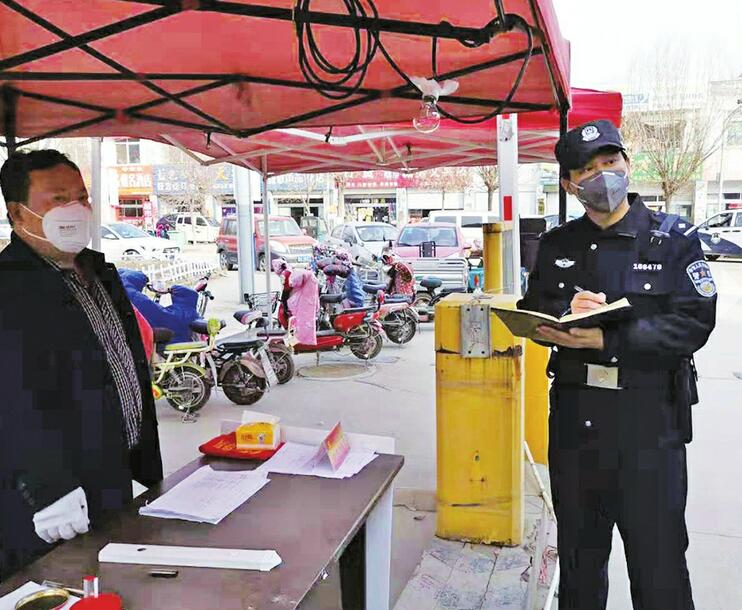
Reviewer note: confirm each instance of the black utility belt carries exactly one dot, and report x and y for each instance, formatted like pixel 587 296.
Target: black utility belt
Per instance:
pixel 609 377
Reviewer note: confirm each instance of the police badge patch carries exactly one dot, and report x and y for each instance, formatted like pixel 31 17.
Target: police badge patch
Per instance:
pixel 700 274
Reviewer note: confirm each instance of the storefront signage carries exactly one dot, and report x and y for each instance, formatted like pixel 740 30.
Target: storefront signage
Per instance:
pixel 134 179
pixel 175 179
pixel 298 183
pixel 379 179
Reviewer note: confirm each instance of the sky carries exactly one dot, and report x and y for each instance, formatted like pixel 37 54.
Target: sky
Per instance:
pixel 609 38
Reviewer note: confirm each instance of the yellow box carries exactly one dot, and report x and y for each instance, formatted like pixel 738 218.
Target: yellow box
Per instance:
pixel 479 405
pixel 258 435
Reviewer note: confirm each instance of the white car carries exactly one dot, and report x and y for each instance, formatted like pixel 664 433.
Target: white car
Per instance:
pixel 120 240
pixel 364 238
pixel 721 235
pixel 197 228
pixel 5 229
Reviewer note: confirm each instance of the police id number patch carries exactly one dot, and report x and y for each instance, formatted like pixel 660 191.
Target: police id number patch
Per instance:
pixel 700 274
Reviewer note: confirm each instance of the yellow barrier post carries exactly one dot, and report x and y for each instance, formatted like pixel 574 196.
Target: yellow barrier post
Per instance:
pixel 493 255
pixel 479 402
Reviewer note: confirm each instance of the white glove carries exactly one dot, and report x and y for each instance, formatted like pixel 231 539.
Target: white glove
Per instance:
pixel 65 518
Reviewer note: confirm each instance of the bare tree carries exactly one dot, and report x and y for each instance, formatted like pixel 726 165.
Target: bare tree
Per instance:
pixel 310 183
pixel 491 179
pixel 200 181
pixel 341 180
pixel 674 131
pixel 446 180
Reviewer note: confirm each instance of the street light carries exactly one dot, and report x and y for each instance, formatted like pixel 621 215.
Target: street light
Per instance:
pixel 725 126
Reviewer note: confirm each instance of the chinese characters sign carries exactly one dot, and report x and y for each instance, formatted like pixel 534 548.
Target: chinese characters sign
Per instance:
pixel 378 179
pixel 180 179
pixel 134 179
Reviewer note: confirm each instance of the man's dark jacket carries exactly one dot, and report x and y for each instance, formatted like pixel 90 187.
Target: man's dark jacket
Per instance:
pixel 61 423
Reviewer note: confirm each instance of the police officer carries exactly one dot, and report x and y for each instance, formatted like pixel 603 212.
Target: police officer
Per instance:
pixel 622 390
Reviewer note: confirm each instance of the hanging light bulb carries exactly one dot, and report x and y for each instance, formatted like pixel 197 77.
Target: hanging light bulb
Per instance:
pixel 428 118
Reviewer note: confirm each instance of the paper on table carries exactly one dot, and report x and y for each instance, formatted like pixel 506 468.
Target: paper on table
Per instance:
pixel 296 458
pixel 206 496
pixel 8 602
pixel 192 556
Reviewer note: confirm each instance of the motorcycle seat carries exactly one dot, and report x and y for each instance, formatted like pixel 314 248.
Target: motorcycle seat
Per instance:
pixel 248 316
pixel 326 299
pixel 373 288
pixel 431 283
pixel 201 326
pixel 358 309
pixel 240 341
pixel 186 346
pixel 399 298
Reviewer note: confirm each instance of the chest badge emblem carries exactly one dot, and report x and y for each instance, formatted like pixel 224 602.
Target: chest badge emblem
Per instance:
pixel 564 263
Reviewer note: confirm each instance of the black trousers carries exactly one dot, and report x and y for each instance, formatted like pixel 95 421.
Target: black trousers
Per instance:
pixel 616 457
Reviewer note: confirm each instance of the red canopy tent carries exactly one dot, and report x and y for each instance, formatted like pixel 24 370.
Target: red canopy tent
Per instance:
pixel 398 147
pixel 142 68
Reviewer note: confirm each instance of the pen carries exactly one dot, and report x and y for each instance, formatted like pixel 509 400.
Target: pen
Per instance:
pixel 578 289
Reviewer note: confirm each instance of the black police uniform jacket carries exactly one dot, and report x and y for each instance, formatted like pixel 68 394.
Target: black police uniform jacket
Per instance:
pixel 665 278
pixel 61 423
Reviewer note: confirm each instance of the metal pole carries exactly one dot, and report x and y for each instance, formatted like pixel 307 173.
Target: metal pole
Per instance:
pixel 720 198
pixel 266 234
pixel 10 99
pixel 96 194
pixel 245 232
pixel 563 128
pixel 507 161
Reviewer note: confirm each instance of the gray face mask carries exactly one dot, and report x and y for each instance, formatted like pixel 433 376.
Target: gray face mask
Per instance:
pixel 604 191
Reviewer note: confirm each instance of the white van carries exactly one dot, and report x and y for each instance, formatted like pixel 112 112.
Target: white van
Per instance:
pixel 197 227
pixel 470 223
pixel 721 235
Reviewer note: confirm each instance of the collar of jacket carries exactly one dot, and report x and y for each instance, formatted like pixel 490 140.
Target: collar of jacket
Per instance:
pixel 88 259
pixel 636 220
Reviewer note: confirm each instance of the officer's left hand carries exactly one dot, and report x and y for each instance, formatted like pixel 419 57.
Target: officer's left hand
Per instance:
pixel 576 338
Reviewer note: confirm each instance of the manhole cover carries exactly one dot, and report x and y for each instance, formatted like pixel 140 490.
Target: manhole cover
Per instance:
pixel 349 358
pixel 340 371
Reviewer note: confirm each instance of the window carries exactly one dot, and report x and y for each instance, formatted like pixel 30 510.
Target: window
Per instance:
pixel 127 151
pixel 280 227
pixel 349 235
pixel 734 133
pixel 337 232
pixel 185 220
pixel 471 221
pixel 230 227
pixel 106 234
pixel 451 219
pixel 200 222
pixel 127 231
pixel 377 233
pixel 738 221
pixel 720 221
pixel 442 236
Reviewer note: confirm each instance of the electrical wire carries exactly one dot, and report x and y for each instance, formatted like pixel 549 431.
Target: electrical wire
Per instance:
pixel 320 71
pixel 326 76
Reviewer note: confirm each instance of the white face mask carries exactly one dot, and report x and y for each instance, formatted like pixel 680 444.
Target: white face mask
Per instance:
pixel 68 227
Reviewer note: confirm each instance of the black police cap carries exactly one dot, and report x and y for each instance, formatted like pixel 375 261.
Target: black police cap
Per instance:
pixel 579 145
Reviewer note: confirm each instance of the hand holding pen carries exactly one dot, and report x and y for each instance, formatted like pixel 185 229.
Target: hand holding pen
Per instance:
pixel 585 300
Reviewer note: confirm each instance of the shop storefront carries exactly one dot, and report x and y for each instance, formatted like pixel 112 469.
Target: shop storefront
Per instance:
pixel 135 196
pixel 296 194
pixel 183 188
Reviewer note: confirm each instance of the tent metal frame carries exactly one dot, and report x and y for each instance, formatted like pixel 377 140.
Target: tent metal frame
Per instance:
pixel 164 9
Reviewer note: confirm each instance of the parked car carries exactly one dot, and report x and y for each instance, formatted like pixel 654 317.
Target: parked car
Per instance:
pixel 470 223
pixel 447 239
pixel 197 227
pixel 315 227
pixel 364 238
pixel 287 241
pixel 5 229
pixel 721 235
pixel 120 239
pixel 168 221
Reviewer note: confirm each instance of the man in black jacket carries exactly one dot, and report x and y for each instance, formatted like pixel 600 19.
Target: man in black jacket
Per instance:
pixel 622 391
pixel 77 417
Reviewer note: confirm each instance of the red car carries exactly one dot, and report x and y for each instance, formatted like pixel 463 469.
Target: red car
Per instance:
pixel 445 240
pixel 287 240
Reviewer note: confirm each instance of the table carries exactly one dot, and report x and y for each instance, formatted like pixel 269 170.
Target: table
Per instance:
pixel 311 522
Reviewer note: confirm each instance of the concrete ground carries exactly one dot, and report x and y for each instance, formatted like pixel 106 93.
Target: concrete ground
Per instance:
pixel 399 400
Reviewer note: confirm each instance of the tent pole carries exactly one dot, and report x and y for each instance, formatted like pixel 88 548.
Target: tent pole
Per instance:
pixel 10 99
pixel 563 128
pixel 96 194
pixel 507 161
pixel 245 231
pixel 266 234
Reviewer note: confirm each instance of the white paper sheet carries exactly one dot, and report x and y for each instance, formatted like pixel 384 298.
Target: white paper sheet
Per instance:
pixel 198 557
pixel 296 458
pixel 8 602
pixel 206 496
